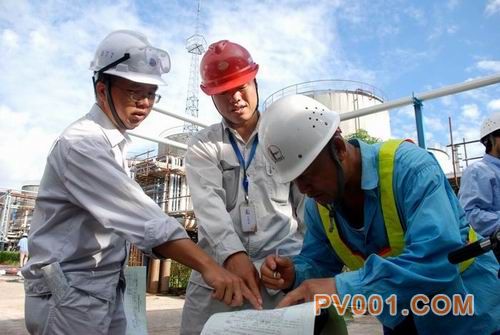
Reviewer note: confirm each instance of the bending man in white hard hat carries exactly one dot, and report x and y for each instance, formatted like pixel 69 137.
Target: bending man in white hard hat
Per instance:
pixel 480 184
pixel 88 209
pixel 386 211
pixel 243 213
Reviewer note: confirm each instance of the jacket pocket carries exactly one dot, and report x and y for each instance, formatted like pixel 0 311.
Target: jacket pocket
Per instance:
pixel 230 183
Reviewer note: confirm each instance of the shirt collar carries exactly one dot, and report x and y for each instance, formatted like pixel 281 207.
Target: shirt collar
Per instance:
pixel 490 159
pixel 369 165
pixel 114 136
pixel 235 133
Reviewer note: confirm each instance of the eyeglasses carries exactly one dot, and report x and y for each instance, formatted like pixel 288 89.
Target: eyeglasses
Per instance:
pixel 137 96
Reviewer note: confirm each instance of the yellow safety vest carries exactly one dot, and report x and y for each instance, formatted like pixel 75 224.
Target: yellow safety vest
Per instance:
pixel 394 229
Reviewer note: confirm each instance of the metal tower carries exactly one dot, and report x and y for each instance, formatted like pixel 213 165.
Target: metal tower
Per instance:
pixel 195 45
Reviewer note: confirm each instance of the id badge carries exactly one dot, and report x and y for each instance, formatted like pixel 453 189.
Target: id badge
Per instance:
pixel 248 218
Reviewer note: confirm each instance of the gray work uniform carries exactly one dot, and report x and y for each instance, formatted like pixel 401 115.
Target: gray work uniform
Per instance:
pixel 86 212
pixel 215 179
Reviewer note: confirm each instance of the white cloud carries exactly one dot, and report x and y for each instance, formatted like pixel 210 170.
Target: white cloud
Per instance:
pixel 494 105
pixel 24 147
pixel 452 4
pixel 452 29
pixel 48 85
pixel 9 39
pixel 492 7
pixel 417 14
pixel 489 65
pixel 470 111
pixel 433 123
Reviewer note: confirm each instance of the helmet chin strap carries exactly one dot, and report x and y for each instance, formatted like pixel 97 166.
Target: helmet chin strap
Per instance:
pixel 340 171
pixel 111 104
pixel 107 82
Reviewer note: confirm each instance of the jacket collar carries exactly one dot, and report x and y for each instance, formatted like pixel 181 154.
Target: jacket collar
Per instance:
pixel 369 165
pixel 114 136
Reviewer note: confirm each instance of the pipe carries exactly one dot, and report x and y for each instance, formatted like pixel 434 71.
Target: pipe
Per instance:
pixel 437 93
pixel 185 118
pixel 159 140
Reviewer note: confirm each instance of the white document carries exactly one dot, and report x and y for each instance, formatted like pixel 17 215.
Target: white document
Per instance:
pixel 293 320
pixel 134 301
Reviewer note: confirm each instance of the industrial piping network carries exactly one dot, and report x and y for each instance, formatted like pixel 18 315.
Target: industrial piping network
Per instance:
pixel 416 100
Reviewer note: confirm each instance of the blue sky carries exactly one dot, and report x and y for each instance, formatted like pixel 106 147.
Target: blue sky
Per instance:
pixel 397 45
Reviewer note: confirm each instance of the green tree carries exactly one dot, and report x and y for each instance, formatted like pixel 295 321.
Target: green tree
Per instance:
pixel 363 135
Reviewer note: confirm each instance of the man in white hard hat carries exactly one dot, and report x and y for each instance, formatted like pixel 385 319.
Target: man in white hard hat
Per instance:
pixel 88 209
pixel 480 183
pixel 243 213
pixel 386 211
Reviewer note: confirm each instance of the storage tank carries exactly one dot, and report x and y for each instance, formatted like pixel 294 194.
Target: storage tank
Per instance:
pixel 174 134
pixel 344 96
pixel 444 160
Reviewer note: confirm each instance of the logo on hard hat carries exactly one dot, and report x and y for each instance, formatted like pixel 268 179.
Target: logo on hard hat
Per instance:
pixel 275 153
pixel 152 62
pixel 222 66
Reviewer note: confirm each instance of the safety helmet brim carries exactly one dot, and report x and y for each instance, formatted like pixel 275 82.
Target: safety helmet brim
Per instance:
pixel 142 78
pixel 231 84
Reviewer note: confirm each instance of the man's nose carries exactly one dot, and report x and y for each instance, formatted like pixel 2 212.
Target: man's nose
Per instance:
pixel 235 96
pixel 145 102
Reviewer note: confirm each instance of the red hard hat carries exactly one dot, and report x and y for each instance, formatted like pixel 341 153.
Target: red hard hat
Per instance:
pixel 224 66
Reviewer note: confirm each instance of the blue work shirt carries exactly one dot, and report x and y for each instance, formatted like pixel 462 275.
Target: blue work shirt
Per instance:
pixel 23 244
pixel 480 194
pixel 434 225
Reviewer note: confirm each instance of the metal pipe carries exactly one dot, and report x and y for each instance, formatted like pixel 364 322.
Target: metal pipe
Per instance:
pixel 464 143
pixel 159 140
pixel 437 93
pixel 417 105
pixel 465 152
pixel 453 152
pixel 185 118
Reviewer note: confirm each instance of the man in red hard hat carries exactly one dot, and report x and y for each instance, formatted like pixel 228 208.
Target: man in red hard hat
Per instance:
pixel 243 212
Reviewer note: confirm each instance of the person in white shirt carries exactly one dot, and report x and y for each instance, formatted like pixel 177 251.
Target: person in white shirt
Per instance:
pixel 23 250
pixel 243 212
pixel 88 209
pixel 480 184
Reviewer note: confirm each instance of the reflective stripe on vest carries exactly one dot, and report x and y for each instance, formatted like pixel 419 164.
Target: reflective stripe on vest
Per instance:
pixel 395 234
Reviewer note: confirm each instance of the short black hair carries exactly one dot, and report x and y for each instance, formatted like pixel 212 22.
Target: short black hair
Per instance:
pixel 487 140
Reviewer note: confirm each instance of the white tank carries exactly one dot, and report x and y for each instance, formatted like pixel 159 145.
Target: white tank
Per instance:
pixel 344 96
pixel 444 160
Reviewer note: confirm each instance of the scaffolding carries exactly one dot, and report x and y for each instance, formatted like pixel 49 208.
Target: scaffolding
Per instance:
pixel 163 179
pixel 16 212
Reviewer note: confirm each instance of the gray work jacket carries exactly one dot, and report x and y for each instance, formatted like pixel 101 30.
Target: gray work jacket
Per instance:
pixel 88 207
pixel 215 178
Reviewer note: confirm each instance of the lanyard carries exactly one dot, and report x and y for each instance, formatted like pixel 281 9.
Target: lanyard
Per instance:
pixel 242 160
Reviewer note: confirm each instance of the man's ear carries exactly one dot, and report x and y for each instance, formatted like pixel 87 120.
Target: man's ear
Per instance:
pixel 100 89
pixel 340 147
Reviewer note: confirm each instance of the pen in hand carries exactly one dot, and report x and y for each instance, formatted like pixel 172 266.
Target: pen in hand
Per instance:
pixel 276 274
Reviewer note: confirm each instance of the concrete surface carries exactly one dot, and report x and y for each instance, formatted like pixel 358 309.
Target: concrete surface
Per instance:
pixel 163 312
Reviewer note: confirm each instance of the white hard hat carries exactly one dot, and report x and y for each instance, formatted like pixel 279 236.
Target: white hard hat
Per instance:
pixel 145 65
pixel 293 131
pixel 491 124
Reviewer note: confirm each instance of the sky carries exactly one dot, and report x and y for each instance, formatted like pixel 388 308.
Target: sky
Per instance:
pixel 399 46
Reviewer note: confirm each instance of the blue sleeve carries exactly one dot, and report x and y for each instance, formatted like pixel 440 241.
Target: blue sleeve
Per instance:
pixel 431 214
pixel 476 197
pixel 317 258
